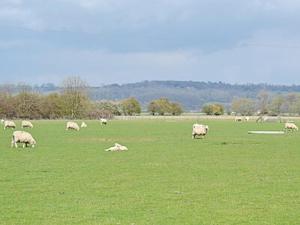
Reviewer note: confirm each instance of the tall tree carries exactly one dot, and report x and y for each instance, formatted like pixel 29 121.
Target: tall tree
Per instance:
pixel 276 105
pixel 263 102
pixel 75 97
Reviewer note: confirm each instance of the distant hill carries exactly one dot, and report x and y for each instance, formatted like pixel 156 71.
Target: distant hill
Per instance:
pixel 192 95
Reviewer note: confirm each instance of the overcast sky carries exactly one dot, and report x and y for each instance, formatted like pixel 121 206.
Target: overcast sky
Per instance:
pixel 121 41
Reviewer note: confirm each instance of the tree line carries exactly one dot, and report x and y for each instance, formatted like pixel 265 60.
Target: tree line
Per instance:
pixel 73 101
pixel 265 103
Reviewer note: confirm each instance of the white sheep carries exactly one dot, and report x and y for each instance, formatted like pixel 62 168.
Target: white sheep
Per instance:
pixel 2 121
pixel 103 121
pixel 247 118
pixel 72 125
pixel 290 126
pixel 22 137
pixel 199 130
pixel 83 125
pixel 117 147
pixel 9 124
pixel 26 123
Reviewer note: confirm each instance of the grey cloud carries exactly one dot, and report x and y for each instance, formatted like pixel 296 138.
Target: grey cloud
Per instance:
pixel 122 41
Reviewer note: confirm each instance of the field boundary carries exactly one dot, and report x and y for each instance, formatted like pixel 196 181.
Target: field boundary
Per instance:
pixel 191 117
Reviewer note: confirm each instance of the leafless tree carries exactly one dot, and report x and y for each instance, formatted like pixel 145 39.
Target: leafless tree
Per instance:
pixel 74 93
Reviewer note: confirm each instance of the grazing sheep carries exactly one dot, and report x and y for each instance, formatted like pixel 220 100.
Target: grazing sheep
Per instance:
pixel 2 121
pixel 247 118
pixel 290 126
pixel 117 147
pixel 199 130
pixel 26 123
pixel 72 125
pixel 83 125
pixel 22 137
pixel 9 124
pixel 103 121
pixel 238 119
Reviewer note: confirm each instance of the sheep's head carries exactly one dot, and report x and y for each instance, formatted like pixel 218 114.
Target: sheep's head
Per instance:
pixel 206 128
pixel 33 142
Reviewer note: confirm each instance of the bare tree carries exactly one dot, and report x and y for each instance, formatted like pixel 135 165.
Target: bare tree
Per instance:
pixel 75 96
pixel 263 102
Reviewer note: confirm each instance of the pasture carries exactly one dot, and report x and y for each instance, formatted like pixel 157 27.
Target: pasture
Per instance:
pixel 229 177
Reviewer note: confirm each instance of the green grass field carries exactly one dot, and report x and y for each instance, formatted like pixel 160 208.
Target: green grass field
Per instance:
pixel 227 178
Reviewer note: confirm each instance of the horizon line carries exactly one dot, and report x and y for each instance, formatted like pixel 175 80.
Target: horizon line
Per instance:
pixel 143 81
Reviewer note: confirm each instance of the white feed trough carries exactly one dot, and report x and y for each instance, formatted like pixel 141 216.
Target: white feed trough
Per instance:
pixel 266 132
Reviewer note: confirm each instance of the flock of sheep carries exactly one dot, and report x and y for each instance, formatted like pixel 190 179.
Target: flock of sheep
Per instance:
pixel 288 126
pixel 26 138
pixel 20 136
pixel 201 130
pixel 74 126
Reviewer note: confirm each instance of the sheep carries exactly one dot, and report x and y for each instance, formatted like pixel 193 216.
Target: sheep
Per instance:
pixel 238 119
pixel 103 121
pixel 117 147
pixel 290 126
pixel 247 118
pixel 2 121
pixel 9 124
pixel 83 125
pixel 26 123
pixel 199 130
pixel 22 137
pixel 72 125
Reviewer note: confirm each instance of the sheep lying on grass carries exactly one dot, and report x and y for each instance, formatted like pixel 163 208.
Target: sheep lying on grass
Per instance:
pixel 83 125
pixel 117 147
pixel 22 137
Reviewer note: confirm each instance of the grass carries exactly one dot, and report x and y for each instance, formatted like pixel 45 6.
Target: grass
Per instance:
pixel 228 178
